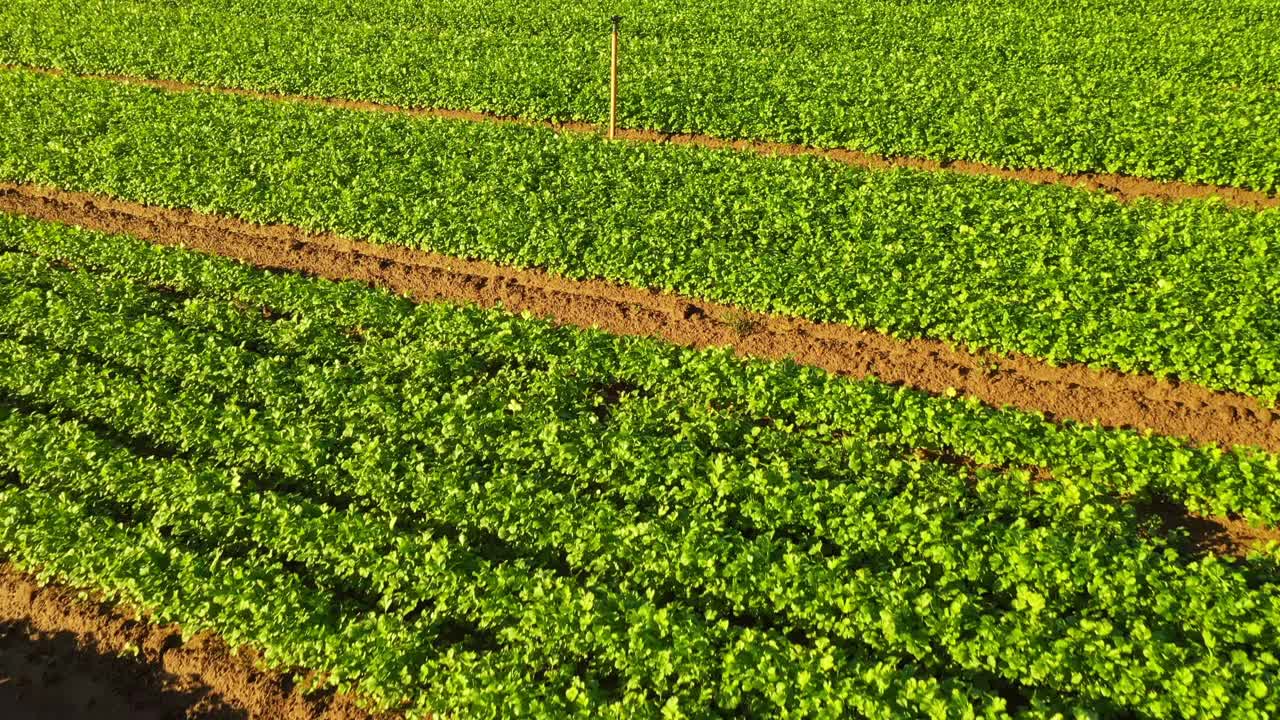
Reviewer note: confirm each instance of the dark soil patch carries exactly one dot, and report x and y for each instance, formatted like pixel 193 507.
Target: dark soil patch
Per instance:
pixel 1232 537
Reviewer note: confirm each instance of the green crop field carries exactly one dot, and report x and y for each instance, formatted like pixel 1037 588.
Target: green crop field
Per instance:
pixel 436 506
pixel 1158 88
pixel 1191 289
pixel 440 500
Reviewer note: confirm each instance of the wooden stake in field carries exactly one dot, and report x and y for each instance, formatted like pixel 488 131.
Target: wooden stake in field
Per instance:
pixel 613 79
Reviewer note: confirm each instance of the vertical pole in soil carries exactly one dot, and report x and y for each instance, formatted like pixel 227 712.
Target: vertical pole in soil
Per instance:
pixel 613 79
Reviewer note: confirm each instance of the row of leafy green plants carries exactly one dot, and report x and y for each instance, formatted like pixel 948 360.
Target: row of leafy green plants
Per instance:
pixel 1189 289
pixel 1155 88
pixel 463 511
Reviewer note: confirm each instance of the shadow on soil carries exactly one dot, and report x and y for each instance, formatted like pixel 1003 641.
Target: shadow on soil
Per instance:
pixel 47 676
pixel 1199 536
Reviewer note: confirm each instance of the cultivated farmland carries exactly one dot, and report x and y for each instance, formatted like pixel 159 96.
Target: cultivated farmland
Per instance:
pixel 1183 89
pixel 346 371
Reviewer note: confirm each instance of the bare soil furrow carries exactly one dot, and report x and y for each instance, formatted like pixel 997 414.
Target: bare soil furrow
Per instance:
pixel 1074 392
pixel 1123 187
pixel 64 656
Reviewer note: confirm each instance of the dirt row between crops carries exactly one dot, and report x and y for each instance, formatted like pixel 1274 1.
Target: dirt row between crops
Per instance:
pixel 1123 187
pixel 63 657
pixel 1073 392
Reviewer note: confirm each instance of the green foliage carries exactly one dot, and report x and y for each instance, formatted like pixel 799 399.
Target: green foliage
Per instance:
pixel 461 511
pixel 1191 289
pixel 1157 88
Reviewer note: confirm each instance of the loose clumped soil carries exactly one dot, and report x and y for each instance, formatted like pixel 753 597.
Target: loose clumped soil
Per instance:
pixel 1123 187
pixel 1074 392
pixel 67 658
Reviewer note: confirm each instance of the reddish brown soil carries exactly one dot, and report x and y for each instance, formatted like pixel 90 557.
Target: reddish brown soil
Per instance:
pixel 66 658
pixel 1074 392
pixel 1123 187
